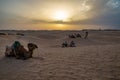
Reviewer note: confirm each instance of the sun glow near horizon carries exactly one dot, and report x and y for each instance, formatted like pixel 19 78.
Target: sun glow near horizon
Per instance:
pixel 61 15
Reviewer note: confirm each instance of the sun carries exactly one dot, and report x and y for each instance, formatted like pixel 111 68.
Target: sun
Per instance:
pixel 60 15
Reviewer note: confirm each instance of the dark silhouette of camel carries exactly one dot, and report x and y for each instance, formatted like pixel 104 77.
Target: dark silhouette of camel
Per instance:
pixel 20 52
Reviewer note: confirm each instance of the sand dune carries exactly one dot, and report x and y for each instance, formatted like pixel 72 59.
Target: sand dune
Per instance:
pixel 96 58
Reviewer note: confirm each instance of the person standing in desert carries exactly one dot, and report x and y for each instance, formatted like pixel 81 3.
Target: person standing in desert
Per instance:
pixel 86 34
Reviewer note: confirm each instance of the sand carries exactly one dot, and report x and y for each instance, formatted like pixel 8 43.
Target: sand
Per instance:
pixel 95 58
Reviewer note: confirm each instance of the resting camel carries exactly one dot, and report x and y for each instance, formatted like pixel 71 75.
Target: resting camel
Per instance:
pixel 21 52
pixel 72 36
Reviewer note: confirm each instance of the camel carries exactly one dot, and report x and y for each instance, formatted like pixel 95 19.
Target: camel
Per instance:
pixel 72 36
pixel 21 52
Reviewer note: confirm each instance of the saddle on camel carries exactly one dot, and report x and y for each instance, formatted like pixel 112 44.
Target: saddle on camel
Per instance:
pixel 17 50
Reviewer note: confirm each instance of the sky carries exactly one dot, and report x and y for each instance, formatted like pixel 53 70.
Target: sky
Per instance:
pixel 59 14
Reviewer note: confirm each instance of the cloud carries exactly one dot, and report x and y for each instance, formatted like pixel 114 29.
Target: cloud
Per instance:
pixel 102 12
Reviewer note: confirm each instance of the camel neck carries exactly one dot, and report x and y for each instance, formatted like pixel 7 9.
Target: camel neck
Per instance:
pixel 30 50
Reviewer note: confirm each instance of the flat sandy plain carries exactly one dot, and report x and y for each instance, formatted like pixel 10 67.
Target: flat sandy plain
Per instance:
pixel 94 58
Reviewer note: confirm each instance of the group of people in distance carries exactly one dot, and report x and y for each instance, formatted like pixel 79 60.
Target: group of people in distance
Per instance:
pixel 65 44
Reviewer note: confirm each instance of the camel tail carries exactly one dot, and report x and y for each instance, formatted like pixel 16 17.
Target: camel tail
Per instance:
pixel 8 50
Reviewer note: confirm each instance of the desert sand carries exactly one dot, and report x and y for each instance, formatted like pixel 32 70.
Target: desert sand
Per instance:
pixel 94 58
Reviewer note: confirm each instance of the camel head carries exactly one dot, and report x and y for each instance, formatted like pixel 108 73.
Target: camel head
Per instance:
pixel 32 46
